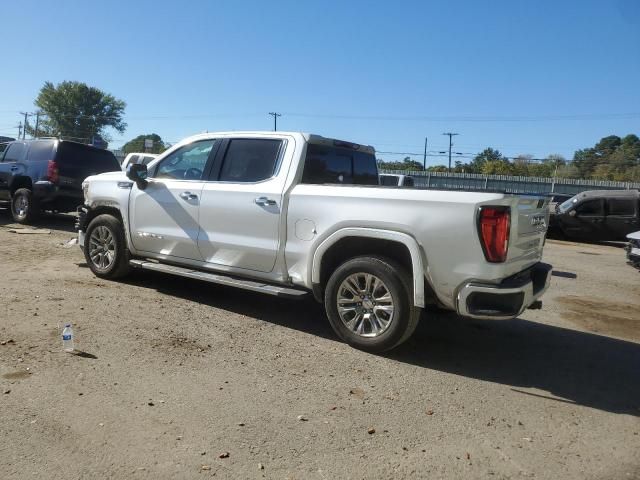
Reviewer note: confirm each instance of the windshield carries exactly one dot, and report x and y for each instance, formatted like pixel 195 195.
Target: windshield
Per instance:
pixel 566 206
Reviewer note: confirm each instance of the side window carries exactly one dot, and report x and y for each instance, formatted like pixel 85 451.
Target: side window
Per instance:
pixel 147 160
pixel 387 180
pixel 408 182
pixel 41 151
pixel 186 163
pixel 15 152
pixel 250 160
pixel 621 207
pixel 3 148
pixel 590 208
pixel 133 159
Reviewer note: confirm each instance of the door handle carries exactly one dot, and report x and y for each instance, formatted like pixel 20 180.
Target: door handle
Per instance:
pixel 188 196
pixel 264 201
pixel 14 167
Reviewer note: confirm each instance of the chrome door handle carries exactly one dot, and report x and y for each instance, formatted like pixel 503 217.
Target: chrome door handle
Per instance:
pixel 264 201
pixel 188 196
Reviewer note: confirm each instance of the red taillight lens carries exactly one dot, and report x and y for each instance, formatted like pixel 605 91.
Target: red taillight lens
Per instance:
pixel 493 226
pixel 52 172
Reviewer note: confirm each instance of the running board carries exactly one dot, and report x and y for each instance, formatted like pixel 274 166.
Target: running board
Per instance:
pixel 277 290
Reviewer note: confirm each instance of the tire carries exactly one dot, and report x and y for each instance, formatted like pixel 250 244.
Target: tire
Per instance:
pixel 105 248
pixel 365 322
pixel 24 206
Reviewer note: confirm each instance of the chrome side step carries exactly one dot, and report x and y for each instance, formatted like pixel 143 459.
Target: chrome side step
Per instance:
pixel 277 290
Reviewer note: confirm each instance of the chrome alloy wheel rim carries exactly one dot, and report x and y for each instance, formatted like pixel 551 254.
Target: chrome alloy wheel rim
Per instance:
pixel 365 305
pixel 21 205
pixel 102 247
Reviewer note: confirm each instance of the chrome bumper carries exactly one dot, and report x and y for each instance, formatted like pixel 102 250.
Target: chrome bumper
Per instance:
pixel 505 300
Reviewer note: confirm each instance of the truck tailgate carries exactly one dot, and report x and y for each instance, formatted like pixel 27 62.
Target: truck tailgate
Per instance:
pixel 529 222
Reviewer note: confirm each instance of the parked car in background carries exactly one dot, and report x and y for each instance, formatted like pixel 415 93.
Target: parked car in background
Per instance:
pixel 598 215
pixel 47 174
pixel 392 179
pixel 633 249
pixel 143 158
pixel 289 214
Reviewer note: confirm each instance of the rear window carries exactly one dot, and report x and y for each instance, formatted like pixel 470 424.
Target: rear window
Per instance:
pixel 81 156
pixel 388 181
pixel 335 165
pixel 621 206
pixel 41 151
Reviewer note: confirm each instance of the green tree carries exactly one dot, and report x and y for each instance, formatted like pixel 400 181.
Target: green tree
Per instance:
pixel 77 111
pixel 497 167
pixel 406 164
pixel 487 155
pixel 137 144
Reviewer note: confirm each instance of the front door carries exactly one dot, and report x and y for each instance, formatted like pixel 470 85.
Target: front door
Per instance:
pixel 587 223
pixel 241 205
pixel 164 216
pixel 12 164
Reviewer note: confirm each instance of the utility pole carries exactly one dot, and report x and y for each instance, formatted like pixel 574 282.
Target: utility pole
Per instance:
pixel 37 123
pixel 19 130
pixel 451 135
pixel 24 132
pixel 275 116
pixel 424 162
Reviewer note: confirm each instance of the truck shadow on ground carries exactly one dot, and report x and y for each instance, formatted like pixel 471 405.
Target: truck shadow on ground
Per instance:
pixel 566 365
pixel 52 221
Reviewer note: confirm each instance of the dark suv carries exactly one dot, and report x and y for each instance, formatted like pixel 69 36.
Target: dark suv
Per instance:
pixel 47 174
pixel 598 215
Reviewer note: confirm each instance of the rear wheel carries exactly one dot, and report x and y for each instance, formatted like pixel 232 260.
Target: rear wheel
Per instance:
pixel 105 248
pixel 369 303
pixel 24 206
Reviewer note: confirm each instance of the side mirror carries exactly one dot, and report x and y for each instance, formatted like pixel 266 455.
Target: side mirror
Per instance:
pixel 572 213
pixel 138 173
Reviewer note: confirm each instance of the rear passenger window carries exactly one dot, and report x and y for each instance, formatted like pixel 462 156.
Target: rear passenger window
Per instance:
pixel 334 165
pixel 41 151
pixel 133 159
pixel 622 207
pixel 250 160
pixel 590 207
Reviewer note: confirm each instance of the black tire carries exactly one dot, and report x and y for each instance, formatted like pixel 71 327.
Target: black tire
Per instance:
pixel 119 265
pixel 24 206
pixel 399 285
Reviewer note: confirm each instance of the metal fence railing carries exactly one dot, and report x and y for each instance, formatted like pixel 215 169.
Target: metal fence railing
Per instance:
pixel 509 183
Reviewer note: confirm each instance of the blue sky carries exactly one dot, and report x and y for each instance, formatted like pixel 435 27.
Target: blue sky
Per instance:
pixel 533 77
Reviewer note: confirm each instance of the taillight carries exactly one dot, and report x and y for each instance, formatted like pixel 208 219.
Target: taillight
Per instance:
pixel 53 175
pixel 493 228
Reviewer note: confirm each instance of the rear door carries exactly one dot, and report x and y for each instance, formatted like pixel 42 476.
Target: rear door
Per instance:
pixel 76 162
pixel 588 221
pixel 164 216
pixel 622 217
pixel 241 204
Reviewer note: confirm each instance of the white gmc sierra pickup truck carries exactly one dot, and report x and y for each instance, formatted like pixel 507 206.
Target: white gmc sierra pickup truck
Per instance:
pixel 291 213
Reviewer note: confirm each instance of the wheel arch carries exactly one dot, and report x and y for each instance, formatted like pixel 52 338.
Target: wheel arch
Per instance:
pixel 351 242
pixel 20 182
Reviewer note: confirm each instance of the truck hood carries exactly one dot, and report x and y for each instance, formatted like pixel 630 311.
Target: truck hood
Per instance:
pixel 118 176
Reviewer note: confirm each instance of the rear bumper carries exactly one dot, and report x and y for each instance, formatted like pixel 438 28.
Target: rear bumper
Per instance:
pixel 55 197
pixel 504 300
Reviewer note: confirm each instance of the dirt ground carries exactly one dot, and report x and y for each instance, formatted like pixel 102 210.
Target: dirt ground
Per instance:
pixel 180 379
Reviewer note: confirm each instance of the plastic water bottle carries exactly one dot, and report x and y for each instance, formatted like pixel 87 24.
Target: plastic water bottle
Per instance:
pixel 67 338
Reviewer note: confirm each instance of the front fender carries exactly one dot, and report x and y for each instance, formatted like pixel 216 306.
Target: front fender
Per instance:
pixel 403 238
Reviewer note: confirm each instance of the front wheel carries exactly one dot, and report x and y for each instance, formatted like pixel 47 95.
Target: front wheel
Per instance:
pixel 369 303
pixel 105 248
pixel 24 207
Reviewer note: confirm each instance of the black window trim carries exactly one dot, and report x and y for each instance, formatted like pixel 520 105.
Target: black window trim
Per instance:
pixel 216 170
pixel 207 167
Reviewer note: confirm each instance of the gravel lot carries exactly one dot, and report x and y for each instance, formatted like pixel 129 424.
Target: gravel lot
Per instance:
pixel 176 374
